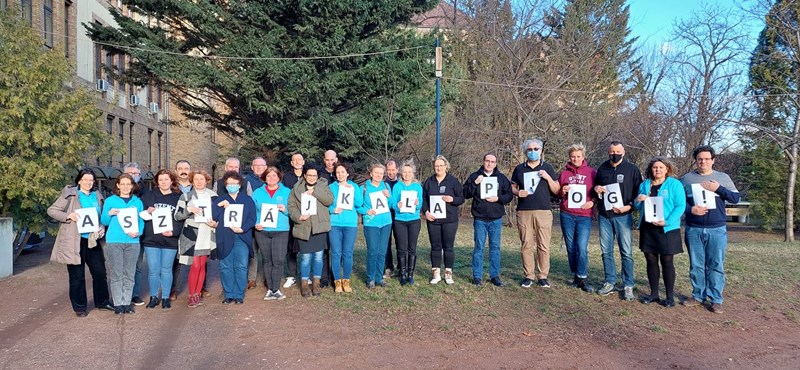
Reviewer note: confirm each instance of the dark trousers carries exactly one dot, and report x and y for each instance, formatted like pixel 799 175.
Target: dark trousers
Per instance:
pixel 272 246
pixel 77 278
pixel 443 238
pixel 406 234
pixel 389 263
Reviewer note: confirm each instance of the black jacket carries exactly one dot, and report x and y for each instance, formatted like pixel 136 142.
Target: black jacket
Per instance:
pixel 629 179
pixel 449 186
pixel 481 209
pixel 155 199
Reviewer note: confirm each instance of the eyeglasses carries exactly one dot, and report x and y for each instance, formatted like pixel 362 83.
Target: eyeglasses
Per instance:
pixel 704 159
pixel 532 149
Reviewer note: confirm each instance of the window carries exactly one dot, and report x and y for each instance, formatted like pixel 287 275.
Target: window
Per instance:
pixel 67 10
pixel 120 140
pixel 47 23
pixel 98 61
pixel 150 147
pixel 109 129
pixel 27 10
pixel 160 137
pixel 121 71
pixel 3 4
pixel 130 142
pixel 110 65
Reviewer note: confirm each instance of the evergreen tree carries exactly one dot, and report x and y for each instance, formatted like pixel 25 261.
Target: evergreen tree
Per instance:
pixel 47 129
pixel 284 105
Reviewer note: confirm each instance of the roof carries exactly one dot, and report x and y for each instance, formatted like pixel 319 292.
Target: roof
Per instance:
pixel 444 16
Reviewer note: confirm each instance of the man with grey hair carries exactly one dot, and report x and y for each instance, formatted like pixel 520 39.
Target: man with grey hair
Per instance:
pixel 534 182
pixel 231 164
pixel 391 179
pixel 132 168
pixel 253 180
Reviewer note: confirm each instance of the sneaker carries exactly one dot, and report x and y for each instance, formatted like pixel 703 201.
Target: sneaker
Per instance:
pixel 691 302
pixel 387 274
pixel 205 294
pixel 716 308
pixel 497 282
pixel 607 289
pixel 238 301
pixel 278 295
pixel 629 294
pixel 289 282
pixel 526 283
pixel 166 304
pixel 118 310
pixel 154 301
pixel 371 285
pixel 129 309
pixel 585 286
pixel 137 301
pixel 476 281
pixel 436 276
pixel 448 277
pixel 227 301
pixel 543 283
pixel 269 296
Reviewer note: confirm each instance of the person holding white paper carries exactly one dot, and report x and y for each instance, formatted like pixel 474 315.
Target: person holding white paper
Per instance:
pixel 197 239
pixel 347 199
pixel 161 248
pixel 377 223
pixel 706 230
pixel 406 225
pixel 616 223
pixel 72 249
pixel 534 213
pixel 661 240
pixel 576 223
pixel 234 242
pixel 488 209
pixel 272 229
pixel 122 249
pixel 311 231
pixel 442 231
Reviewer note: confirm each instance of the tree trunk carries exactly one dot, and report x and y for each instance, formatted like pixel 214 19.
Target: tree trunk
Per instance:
pixel 791 180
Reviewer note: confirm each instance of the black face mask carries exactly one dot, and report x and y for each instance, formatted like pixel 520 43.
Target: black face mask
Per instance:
pixel 615 158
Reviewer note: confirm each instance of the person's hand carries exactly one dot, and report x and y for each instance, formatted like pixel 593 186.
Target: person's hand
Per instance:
pixel 132 234
pixel 429 216
pixel 151 209
pixel 447 198
pixel 372 212
pixel 599 189
pixel 259 227
pixel 310 191
pixel 237 230
pixel 543 174
pixel 212 223
pixel 479 179
pixel 113 212
pixel 73 217
pixel 641 198
pixel 622 209
pixel 416 201
pixel 337 210
pixel 522 193
pixel 492 199
pixel 588 205
pixel 659 223
pixel 386 193
pixel 223 204
pixel 167 233
pixel 304 217
pixel 565 189
pixel 699 210
pixel 347 185
pixel 710 185
pixel 281 208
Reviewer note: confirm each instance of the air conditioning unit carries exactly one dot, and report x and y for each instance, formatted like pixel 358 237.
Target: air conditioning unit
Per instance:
pixel 153 108
pixel 101 85
pixel 135 101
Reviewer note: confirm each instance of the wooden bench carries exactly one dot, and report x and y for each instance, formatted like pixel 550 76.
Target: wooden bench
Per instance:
pixel 738 212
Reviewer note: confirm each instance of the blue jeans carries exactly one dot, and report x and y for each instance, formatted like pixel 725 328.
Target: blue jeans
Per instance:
pixel 576 237
pixel 377 239
pixel 342 240
pixel 159 269
pixel 306 265
pixel 621 227
pixel 707 248
pixel 233 269
pixel 493 229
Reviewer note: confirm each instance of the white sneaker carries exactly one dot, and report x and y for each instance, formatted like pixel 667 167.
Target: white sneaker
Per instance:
pixel 448 276
pixel 278 295
pixel 269 296
pixel 437 277
pixel 289 282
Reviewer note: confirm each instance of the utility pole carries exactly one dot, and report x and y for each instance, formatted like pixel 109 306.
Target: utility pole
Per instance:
pixel 438 97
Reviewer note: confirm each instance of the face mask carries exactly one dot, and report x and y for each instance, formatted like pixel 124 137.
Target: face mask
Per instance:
pixel 615 158
pixel 232 188
pixel 533 155
pixel 136 178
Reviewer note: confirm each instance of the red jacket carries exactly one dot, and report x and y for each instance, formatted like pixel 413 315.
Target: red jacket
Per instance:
pixel 580 175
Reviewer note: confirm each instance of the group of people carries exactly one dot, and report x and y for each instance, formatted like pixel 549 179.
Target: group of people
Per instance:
pixel 256 224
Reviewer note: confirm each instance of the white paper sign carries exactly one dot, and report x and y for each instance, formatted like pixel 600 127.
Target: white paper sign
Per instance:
pixel 407 199
pixel 379 202
pixel 489 187
pixel 438 206
pixel 703 197
pixel 205 205
pixel 88 221
pixel 162 220
pixel 531 180
pixel 612 197
pixel 576 197
pixel 344 199
pixel 653 209
pixel 269 215
pixel 128 218
pixel 308 205
pixel 233 215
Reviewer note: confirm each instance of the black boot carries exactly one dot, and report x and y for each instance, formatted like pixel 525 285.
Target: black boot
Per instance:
pixel 154 301
pixel 410 267
pixel 403 270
